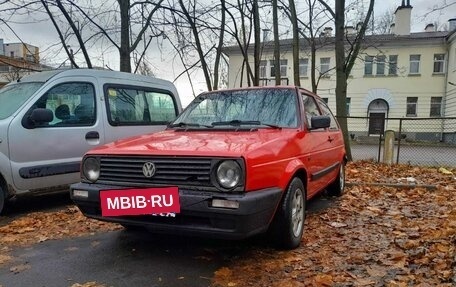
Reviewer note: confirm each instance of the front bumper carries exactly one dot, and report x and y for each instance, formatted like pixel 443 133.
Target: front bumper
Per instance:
pixel 197 216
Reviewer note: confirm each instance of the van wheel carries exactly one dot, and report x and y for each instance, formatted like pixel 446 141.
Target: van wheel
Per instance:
pixel 337 187
pixel 288 225
pixel 2 199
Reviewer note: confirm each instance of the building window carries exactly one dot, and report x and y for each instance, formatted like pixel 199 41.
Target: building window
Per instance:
pixel 415 64
pixel 412 103
pixel 263 69
pixel 325 100
pixel 271 68
pixel 439 63
pixel 368 65
pixel 347 105
pixel 392 70
pixel 283 68
pixel 12 54
pixel 324 65
pixel 303 67
pixel 436 107
pixel 380 65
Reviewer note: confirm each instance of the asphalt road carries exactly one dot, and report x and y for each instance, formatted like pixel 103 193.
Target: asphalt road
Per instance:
pixel 123 258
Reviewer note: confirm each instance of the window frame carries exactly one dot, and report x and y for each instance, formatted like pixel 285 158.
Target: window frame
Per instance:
pixel 417 62
pixel 436 106
pixel 303 62
pixel 324 72
pixel 380 65
pixel 411 102
pixel 145 89
pixel 368 65
pixel 72 123
pixel 440 62
pixel 392 65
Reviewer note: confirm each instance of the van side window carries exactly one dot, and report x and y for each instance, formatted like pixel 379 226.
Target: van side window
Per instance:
pixel 128 106
pixel 327 112
pixel 310 108
pixel 73 104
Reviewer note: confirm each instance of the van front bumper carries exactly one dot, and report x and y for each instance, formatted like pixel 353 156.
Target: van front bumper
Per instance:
pixel 197 216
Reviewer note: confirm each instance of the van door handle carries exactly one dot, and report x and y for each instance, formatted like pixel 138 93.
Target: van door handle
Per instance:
pixel 92 136
pixel 330 139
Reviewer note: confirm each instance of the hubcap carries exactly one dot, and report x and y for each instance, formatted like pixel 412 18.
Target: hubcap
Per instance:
pixel 342 178
pixel 297 212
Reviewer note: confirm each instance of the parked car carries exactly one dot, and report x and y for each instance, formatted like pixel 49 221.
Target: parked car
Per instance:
pixel 48 121
pixel 235 163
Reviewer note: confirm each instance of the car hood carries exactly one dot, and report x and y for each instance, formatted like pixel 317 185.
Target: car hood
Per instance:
pixel 199 143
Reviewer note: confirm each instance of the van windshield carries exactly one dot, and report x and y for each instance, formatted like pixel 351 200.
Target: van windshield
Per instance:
pixel 13 96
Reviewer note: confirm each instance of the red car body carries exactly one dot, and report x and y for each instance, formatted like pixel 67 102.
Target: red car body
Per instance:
pixel 269 159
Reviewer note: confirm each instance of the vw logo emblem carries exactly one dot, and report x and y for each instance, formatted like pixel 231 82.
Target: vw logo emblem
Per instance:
pixel 148 169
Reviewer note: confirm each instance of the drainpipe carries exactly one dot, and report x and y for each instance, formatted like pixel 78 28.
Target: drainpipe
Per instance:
pixel 445 90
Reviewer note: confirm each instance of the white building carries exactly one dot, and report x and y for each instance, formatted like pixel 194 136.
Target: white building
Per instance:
pixel 399 75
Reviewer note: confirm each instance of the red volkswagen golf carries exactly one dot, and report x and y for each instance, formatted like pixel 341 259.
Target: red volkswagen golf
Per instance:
pixel 233 164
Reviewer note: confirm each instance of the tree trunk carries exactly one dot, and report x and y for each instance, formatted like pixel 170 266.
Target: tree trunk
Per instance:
pixel 124 50
pixel 294 22
pixel 275 22
pixel 256 47
pixel 341 76
pixel 219 47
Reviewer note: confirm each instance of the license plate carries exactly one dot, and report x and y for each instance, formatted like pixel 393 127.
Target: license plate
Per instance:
pixel 160 200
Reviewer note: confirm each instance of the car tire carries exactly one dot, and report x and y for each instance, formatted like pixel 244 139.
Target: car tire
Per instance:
pixel 337 187
pixel 2 199
pixel 288 225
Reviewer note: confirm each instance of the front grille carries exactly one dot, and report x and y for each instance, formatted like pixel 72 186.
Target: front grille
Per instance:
pixel 180 171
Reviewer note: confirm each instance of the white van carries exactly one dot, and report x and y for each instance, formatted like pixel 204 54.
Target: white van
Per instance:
pixel 48 121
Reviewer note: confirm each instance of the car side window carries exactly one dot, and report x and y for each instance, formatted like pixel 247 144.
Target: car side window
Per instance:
pixel 327 112
pixel 72 104
pixel 310 108
pixel 138 106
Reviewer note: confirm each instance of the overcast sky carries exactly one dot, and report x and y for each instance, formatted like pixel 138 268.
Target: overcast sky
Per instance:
pixel 42 34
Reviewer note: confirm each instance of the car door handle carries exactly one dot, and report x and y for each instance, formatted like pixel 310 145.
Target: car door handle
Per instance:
pixel 92 136
pixel 330 139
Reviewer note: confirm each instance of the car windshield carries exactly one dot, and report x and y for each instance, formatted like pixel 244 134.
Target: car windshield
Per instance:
pixel 13 96
pixel 269 108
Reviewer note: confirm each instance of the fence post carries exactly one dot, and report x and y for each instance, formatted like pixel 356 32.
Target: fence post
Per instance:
pixel 388 149
pixel 399 138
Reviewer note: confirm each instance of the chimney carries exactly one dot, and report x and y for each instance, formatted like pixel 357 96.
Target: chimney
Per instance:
pixel 349 30
pixel 402 18
pixel 328 31
pixel 429 28
pixel 452 24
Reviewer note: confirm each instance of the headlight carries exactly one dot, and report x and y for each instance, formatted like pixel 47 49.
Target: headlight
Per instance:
pixel 91 169
pixel 228 174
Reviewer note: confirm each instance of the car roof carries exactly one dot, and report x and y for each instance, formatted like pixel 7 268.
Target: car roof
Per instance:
pixel 46 75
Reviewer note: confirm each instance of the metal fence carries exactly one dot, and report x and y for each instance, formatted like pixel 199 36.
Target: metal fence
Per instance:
pixel 418 141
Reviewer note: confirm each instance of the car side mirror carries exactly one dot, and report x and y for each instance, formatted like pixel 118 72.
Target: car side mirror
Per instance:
pixel 320 122
pixel 38 117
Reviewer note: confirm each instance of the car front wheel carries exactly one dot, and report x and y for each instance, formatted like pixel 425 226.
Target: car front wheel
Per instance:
pixel 289 222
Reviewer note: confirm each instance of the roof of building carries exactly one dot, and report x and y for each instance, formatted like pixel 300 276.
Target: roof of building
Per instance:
pixel 370 40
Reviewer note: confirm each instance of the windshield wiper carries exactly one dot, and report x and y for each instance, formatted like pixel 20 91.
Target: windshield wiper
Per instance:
pixel 238 123
pixel 187 125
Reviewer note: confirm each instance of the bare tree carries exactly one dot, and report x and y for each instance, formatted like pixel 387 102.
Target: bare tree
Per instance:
pixel 345 60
